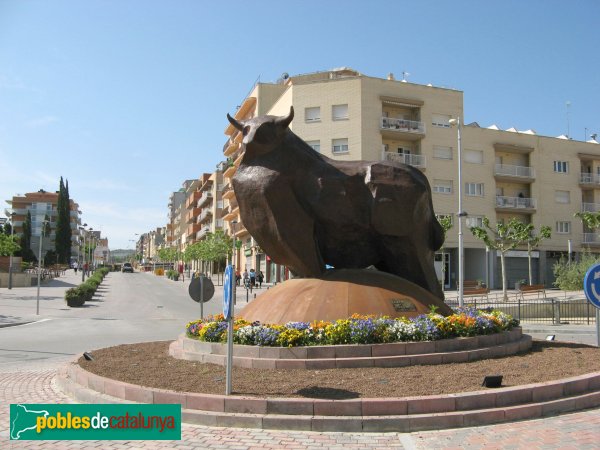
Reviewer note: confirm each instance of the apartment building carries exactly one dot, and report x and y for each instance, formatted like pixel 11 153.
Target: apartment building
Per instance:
pixel 41 204
pixel 506 173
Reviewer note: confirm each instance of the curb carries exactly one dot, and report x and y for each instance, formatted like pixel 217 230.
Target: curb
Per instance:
pixel 406 414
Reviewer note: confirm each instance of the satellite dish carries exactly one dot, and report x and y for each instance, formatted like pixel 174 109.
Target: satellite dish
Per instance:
pixel 285 75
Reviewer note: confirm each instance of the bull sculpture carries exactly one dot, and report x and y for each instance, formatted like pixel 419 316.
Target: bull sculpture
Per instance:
pixel 308 211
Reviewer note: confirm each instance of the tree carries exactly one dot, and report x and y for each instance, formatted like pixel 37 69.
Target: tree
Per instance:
pixel 504 237
pixel 8 244
pixel 533 241
pixel 26 252
pixel 219 247
pixel 589 219
pixel 63 224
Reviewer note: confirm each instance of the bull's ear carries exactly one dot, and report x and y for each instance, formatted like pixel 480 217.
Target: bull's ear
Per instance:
pixel 235 123
pixel 285 121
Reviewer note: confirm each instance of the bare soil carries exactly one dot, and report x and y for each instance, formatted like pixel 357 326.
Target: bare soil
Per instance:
pixel 150 365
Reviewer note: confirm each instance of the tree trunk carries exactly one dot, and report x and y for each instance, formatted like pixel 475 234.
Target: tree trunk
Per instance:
pixel 503 265
pixel 530 269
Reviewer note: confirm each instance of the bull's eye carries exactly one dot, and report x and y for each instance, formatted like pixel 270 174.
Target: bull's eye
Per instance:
pixel 246 130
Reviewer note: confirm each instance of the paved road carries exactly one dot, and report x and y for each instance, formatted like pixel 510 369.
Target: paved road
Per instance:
pixel 141 307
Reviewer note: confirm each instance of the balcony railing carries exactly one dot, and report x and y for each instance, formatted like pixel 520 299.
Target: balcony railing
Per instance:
pixel 407 126
pixel 205 196
pixel 515 202
pixel 203 232
pixel 406 158
pixel 589 178
pixel 514 171
pixel 591 238
pixel 206 212
pixel 590 207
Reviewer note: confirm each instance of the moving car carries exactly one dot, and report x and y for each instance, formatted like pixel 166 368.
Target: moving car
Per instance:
pixel 127 267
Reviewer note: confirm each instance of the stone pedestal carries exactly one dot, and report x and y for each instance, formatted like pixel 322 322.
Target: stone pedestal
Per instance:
pixel 340 294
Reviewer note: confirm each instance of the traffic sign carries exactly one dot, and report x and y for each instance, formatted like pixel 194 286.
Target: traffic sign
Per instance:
pixel 201 289
pixel 228 292
pixel 591 285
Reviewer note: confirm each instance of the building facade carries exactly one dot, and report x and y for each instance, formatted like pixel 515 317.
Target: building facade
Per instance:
pixel 41 204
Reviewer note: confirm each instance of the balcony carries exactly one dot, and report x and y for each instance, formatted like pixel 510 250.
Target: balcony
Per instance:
pixel 589 180
pixel 230 170
pixel 192 214
pixel 408 129
pixel 204 198
pixel 228 193
pixel 591 238
pixel 225 211
pixel 206 213
pixel 405 158
pixel 515 203
pixel 590 207
pixel 512 173
pixel 192 199
pixel 202 232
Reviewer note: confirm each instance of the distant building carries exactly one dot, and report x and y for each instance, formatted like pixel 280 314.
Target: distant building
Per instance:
pixel 41 204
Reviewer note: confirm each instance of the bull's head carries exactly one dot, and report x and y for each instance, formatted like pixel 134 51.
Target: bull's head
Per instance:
pixel 262 134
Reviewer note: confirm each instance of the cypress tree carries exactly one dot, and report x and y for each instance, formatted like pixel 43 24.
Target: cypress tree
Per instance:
pixel 26 252
pixel 63 224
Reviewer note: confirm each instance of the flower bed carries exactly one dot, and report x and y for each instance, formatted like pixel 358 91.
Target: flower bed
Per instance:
pixel 355 330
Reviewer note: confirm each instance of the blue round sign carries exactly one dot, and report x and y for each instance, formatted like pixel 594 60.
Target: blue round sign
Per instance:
pixel 591 285
pixel 228 291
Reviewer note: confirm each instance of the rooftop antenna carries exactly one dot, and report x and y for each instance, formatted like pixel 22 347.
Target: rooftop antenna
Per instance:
pixel 404 75
pixel 568 106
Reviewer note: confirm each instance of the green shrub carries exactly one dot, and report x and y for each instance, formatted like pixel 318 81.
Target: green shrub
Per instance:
pixel 569 275
pixel 74 297
pixel 87 290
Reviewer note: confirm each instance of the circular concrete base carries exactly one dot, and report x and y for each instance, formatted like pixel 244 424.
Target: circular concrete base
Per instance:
pixel 338 295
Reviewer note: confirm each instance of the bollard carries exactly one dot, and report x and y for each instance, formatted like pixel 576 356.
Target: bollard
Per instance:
pixel 246 295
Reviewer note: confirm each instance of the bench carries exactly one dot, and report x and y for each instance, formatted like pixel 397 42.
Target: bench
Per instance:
pixel 532 289
pixel 473 289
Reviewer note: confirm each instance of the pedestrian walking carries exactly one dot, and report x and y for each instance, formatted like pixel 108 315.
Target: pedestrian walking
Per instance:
pixel 246 279
pixel 238 277
pixel 252 278
pixel 75 266
pixel 260 277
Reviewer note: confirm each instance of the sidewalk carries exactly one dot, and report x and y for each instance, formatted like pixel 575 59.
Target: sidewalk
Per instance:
pixel 18 305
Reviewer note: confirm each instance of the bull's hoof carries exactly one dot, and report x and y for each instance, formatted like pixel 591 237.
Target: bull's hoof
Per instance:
pixel 340 293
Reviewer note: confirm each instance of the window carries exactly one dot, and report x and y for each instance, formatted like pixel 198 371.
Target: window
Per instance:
pixel 220 204
pixel 561 166
pixel 339 112
pixel 312 114
pixel 339 145
pixel 315 145
pixel 474 156
pixel 474 189
pixel 563 227
pixel 440 120
pixel 474 221
pixel 562 196
pixel 442 186
pixel 440 152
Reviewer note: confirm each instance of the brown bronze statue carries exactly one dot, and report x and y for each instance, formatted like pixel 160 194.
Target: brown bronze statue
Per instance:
pixel 306 210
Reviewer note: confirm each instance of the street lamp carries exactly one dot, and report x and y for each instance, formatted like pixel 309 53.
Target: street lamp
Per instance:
pixel 90 261
pixel 10 263
pixel 43 232
pixel 460 215
pixel 82 253
pixel 234 287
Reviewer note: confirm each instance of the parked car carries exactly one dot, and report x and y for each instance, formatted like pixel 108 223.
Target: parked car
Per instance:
pixel 127 267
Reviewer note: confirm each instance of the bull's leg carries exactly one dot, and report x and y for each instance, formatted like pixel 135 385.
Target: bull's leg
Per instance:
pixel 401 258
pixel 294 233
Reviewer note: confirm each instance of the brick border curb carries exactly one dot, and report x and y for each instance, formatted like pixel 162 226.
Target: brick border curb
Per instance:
pixel 405 414
pixel 397 354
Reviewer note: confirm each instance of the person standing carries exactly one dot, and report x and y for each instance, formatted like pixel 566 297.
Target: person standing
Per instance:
pixel 75 266
pixel 252 278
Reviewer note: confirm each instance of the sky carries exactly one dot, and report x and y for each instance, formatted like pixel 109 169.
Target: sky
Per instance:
pixel 126 99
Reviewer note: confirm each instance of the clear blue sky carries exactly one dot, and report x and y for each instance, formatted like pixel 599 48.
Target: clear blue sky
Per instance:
pixel 126 99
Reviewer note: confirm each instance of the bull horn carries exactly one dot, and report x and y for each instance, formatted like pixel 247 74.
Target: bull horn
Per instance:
pixel 235 123
pixel 285 121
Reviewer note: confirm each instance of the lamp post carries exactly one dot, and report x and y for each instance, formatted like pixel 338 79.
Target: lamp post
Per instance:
pixel 82 253
pixel 90 262
pixel 233 223
pixel 461 214
pixel 43 232
pixel 10 261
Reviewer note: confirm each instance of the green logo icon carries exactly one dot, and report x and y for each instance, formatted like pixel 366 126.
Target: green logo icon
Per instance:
pixel 95 422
